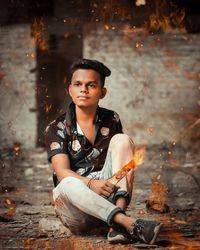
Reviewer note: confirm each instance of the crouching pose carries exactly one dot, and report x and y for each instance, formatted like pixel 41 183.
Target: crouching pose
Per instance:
pixel 86 146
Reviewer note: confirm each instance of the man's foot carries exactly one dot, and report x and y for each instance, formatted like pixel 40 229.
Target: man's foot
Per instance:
pixel 146 230
pixel 118 235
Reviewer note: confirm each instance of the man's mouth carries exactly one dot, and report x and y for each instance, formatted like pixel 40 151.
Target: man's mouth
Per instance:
pixel 83 97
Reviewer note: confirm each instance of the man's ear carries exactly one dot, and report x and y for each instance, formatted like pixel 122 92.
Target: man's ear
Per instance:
pixel 104 91
pixel 69 90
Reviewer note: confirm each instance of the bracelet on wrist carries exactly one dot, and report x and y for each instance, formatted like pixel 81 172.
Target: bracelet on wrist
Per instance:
pixel 90 182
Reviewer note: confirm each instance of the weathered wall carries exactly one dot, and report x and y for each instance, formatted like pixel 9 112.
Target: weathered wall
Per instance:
pixel 17 87
pixel 154 84
pixel 154 81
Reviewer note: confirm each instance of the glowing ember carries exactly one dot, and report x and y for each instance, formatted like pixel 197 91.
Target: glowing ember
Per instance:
pixel 65 80
pixel 16 148
pixel 106 27
pixel 7 202
pixel 138 45
pixel 140 2
pixel 32 55
pixel 141 212
pixel 137 160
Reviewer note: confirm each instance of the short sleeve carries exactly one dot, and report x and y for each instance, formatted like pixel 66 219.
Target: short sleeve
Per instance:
pixel 56 139
pixel 119 127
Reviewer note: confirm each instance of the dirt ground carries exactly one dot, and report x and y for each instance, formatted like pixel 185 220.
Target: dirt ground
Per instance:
pixel 168 182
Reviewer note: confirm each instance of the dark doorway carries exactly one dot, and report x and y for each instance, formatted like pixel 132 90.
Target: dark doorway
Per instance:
pixel 52 78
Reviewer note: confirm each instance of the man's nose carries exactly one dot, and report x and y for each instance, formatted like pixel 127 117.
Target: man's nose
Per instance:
pixel 84 88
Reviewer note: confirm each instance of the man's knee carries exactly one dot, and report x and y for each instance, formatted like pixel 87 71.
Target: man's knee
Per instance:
pixel 122 140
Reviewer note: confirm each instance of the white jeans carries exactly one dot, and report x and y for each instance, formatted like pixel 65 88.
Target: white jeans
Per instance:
pixel 78 207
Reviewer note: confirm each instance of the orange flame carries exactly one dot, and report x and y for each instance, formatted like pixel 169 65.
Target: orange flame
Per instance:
pixel 11 208
pixel 11 211
pixel 137 160
pixel 158 196
pixel 167 22
pixel 178 239
pixel 48 107
pixel 38 29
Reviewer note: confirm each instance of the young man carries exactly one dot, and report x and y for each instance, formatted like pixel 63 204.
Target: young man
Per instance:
pixel 86 146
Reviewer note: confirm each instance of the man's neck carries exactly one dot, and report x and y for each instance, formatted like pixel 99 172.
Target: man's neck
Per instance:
pixel 85 114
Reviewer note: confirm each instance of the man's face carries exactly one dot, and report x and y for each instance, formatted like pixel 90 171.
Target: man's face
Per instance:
pixel 85 88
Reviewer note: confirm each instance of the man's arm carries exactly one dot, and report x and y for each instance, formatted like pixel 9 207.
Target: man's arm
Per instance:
pixel 61 165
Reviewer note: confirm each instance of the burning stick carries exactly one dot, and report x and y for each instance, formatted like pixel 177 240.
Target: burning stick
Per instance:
pixel 137 160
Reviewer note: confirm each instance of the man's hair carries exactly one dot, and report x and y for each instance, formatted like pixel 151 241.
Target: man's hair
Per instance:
pixel 91 64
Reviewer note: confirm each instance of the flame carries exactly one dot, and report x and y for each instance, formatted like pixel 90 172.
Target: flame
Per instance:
pixel 11 211
pixel 11 208
pixel 132 164
pixel 48 107
pixel 38 29
pixel 27 242
pixel 158 196
pixel 177 239
pixel 138 156
pixel 168 21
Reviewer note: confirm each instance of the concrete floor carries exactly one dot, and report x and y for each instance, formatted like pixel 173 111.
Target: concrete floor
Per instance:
pixel 27 219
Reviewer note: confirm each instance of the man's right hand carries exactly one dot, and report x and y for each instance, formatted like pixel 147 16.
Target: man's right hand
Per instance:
pixel 102 187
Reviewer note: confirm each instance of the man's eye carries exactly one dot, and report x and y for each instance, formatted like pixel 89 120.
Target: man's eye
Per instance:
pixel 77 84
pixel 92 85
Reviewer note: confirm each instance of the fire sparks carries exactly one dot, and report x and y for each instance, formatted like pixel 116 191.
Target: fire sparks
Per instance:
pixel 38 29
pixel 111 10
pixel 137 160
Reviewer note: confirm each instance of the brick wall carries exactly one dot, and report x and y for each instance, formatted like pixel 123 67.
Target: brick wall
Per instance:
pixel 154 84
pixel 17 87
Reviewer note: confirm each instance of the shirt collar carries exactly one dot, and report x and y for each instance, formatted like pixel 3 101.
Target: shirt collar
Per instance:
pixel 71 115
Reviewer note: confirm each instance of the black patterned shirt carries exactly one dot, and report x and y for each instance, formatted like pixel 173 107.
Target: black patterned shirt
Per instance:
pixel 63 135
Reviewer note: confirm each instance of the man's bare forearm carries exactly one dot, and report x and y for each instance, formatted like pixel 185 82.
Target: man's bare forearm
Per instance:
pixel 63 172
